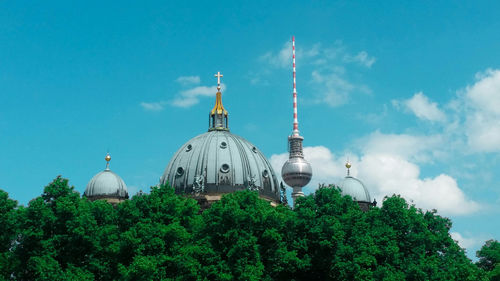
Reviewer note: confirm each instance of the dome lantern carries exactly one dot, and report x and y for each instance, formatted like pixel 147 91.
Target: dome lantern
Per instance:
pixel 218 114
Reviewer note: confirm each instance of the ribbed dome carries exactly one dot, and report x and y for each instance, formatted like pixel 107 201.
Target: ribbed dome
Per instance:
pixel 106 185
pixel 220 162
pixel 355 188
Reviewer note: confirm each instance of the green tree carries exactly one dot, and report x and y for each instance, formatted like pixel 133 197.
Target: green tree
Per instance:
pixel 58 236
pixel 156 237
pixel 249 239
pixel 394 242
pixel 329 236
pixel 416 244
pixel 489 259
pixel 8 231
pixel 105 252
pixel 164 236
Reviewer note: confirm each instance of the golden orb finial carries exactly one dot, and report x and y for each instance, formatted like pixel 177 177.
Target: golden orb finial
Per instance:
pixel 107 158
pixel 348 165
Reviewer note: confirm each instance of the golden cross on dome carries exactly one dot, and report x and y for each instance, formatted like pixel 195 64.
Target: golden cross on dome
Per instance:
pixel 218 75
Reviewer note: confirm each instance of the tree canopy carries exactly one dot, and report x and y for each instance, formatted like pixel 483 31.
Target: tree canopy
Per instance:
pixel 163 236
pixel 489 259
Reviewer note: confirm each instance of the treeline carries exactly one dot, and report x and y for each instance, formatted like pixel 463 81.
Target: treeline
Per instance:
pixel 163 236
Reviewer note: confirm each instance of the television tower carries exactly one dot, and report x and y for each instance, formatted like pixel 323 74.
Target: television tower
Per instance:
pixel 296 172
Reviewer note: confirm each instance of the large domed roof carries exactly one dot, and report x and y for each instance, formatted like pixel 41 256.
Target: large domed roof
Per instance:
pixel 106 184
pixel 220 162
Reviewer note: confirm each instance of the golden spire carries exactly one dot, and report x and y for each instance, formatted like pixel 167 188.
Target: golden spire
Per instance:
pixel 107 158
pixel 218 107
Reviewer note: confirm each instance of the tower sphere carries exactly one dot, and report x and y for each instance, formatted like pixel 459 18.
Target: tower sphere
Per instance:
pixel 296 172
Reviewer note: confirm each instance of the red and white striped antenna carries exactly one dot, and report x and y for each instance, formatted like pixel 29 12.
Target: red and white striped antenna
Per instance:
pixel 295 120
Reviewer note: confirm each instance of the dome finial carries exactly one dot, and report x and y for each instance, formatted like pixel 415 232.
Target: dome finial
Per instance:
pixel 219 76
pixel 348 166
pixel 218 114
pixel 107 158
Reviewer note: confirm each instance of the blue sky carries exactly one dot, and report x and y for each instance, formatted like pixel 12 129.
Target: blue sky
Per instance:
pixel 409 92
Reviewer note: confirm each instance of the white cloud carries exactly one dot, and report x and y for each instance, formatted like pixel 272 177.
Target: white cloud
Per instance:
pixel 472 122
pixel 424 109
pixel 415 148
pixel 362 58
pixel 482 106
pixel 465 242
pixel 283 58
pixel 327 67
pixel 483 132
pixel 334 90
pixel 152 106
pixel 277 161
pixel 190 97
pixel 389 174
pixel 188 80
pixel 389 165
pixel 184 102
pixel 185 98
pixel 385 174
pixel 485 93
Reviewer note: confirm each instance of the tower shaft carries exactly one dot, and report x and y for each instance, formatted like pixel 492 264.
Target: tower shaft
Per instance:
pixel 296 172
pixel 295 146
pixel 295 118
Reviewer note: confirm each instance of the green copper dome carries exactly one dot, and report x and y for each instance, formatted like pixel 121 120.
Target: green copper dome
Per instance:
pixel 219 162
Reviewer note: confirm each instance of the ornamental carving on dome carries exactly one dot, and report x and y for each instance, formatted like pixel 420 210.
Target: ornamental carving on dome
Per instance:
pixel 224 179
pixel 251 183
pixel 198 185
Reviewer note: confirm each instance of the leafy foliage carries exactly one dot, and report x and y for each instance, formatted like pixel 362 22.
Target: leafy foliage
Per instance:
pixel 156 237
pixel 249 239
pixel 8 226
pixel 489 259
pixel 164 236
